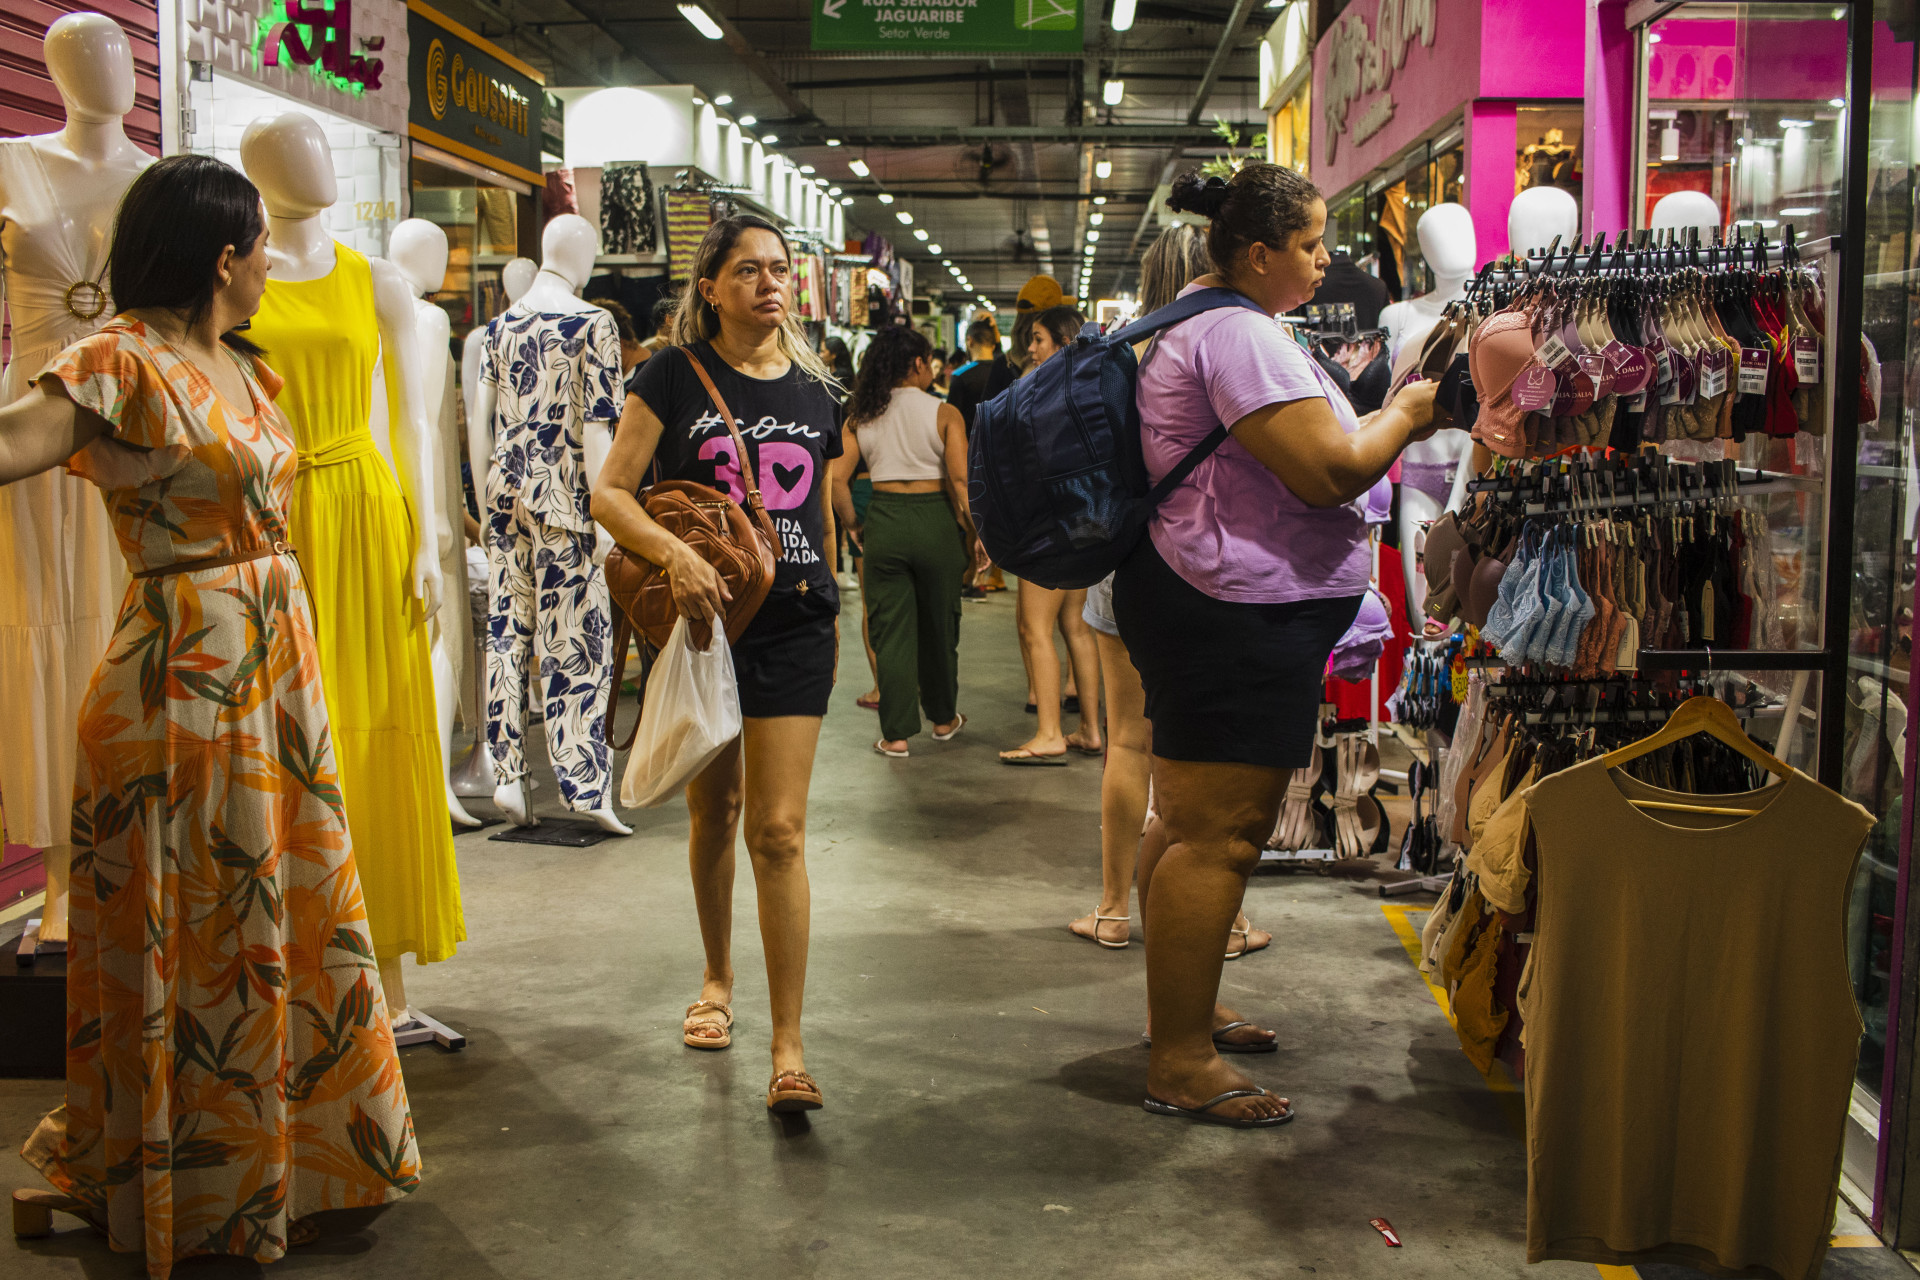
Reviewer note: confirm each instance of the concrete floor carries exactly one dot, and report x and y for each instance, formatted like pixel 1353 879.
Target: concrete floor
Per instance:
pixel 982 1066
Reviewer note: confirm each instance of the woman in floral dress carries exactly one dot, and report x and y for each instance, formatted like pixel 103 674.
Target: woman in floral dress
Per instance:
pixel 230 1064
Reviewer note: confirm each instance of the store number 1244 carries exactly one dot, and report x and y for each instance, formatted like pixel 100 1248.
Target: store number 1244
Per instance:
pixel 375 210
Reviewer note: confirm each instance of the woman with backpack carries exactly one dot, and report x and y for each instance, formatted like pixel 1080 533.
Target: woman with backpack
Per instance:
pixel 916 535
pixel 1042 610
pixel 736 320
pixel 1252 570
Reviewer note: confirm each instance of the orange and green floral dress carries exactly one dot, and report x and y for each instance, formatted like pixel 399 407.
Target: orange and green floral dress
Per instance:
pixel 230 1065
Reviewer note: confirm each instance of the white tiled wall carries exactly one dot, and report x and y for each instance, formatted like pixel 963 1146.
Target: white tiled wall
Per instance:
pixel 368 163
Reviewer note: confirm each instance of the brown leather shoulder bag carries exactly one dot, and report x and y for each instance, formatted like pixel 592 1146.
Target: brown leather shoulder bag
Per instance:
pixel 739 544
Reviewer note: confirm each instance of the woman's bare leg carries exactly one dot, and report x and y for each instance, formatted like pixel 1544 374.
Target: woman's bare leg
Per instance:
pixel 1039 607
pixel 779 766
pixel 1084 656
pixel 1123 786
pixel 713 805
pixel 1217 819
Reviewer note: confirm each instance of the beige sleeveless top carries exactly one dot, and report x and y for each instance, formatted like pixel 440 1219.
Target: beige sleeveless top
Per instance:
pixel 1691 1030
pixel 903 443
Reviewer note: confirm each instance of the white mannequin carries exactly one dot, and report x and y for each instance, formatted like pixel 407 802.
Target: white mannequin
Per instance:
pixel 1449 246
pixel 1539 216
pixel 1680 209
pixel 419 249
pixel 1447 243
pixel 288 158
pixel 568 248
pixel 64 575
pixel 475 775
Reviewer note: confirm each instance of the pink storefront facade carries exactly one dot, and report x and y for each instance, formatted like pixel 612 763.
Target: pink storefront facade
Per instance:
pixel 1469 101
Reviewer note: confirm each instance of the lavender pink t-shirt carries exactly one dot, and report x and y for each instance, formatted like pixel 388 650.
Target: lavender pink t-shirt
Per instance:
pixel 1233 529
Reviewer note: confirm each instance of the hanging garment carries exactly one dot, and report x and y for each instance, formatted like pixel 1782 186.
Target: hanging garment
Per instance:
pixel 231 1065
pixel 496 226
pixel 559 195
pixel 61 576
pixel 1691 1029
pixel 354 532
pixel 552 374
pixel 626 210
pixel 689 214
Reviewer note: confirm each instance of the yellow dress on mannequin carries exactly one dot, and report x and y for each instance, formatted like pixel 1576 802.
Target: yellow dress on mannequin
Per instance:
pixel 353 531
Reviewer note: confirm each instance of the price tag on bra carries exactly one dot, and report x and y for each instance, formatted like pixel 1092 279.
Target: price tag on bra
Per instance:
pixel 1663 363
pixel 1753 371
pixel 1552 354
pixel 1713 374
pixel 1806 360
pixel 1534 389
pixel 1598 372
pixel 1630 367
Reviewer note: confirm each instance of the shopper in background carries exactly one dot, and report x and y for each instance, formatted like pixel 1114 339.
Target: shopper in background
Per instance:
pixel 1252 571
pixel 942 380
pixel 917 534
pixel 216 900
pixel 985 376
pixel 663 313
pixel 1043 609
pixel 736 319
pixel 839 361
pixel 632 350
pixel 1174 260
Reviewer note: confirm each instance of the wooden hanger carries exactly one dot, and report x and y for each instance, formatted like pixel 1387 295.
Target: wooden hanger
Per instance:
pixel 1714 718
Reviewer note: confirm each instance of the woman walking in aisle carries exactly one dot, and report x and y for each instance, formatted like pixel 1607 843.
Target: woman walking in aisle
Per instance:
pixel 1231 637
pixel 1172 262
pixel 917 535
pixel 230 1066
pixel 736 321
pixel 1043 609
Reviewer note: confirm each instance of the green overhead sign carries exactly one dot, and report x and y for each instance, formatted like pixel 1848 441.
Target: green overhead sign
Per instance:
pixel 962 26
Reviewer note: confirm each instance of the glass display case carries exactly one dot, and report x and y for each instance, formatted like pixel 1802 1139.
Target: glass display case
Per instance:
pixel 1744 126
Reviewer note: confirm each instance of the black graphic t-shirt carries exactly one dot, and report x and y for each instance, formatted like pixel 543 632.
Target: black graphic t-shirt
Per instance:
pixel 792 427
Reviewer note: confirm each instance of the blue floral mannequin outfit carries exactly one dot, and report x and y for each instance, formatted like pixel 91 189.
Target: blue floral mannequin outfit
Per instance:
pixel 552 373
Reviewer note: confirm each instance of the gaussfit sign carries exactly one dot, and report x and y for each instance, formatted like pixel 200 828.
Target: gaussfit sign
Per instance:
pixel 963 26
pixel 470 97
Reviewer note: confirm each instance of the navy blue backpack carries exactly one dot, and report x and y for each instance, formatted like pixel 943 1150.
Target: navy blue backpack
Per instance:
pixel 1055 474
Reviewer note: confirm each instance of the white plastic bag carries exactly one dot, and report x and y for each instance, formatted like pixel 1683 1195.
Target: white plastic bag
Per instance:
pixel 691 713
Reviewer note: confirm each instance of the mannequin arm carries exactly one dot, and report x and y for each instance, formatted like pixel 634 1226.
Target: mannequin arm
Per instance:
pixel 435 328
pixel 598 443
pixel 412 440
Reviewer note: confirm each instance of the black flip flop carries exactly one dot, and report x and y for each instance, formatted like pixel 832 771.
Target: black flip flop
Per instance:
pixel 1232 1046
pixel 1203 1114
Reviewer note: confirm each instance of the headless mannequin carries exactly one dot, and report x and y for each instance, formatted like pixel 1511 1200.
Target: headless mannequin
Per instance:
pixel 568 248
pixel 1680 209
pixel 1448 244
pixel 1538 217
pixel 475 776
pixel 287 157
pixel 419 249
pixel 88 165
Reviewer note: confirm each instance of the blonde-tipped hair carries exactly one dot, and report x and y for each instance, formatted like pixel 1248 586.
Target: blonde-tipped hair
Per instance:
pixel 1171 263
pixel 696 319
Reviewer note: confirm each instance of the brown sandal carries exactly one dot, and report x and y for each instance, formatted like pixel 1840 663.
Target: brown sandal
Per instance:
pixel 33 1213
pixel 801 1093
pixel 720 1041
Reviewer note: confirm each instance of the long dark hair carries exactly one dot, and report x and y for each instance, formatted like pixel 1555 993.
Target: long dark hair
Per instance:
pixel 890 358
pixel 696 319
pixel 839 359
pixel 1266 203
pixel 167 237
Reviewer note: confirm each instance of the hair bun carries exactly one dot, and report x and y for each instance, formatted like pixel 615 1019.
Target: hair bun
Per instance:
pixel 1193 193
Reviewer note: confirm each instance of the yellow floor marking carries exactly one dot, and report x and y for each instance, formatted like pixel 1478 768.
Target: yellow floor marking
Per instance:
pixel 1511 1098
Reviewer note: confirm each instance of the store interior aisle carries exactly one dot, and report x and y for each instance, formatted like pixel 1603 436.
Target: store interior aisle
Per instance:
pixel 982 1066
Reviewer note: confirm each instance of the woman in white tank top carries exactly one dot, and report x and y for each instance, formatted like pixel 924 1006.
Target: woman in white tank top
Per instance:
pixel 917 538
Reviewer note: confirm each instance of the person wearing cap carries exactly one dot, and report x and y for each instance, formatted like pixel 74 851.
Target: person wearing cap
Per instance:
pixel 1252 570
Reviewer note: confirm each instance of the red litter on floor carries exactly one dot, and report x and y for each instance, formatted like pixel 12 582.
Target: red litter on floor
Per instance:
pixel 1385 1228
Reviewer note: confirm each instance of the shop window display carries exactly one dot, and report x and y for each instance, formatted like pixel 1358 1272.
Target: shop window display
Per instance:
pixel 1548 149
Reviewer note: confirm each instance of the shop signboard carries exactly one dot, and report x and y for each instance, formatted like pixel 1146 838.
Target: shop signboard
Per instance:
pixel 950 26
pixel 345 57
pixel 471 97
